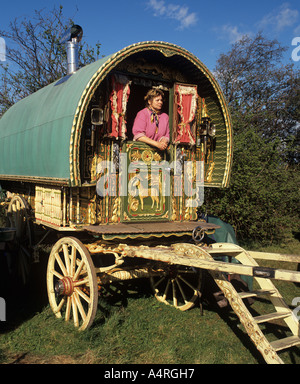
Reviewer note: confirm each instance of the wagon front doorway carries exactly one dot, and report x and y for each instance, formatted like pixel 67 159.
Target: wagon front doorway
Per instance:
pixel 144 177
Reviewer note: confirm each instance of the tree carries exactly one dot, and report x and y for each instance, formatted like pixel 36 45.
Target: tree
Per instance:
pixel 258 87
pixel 262 202
pixel 34 56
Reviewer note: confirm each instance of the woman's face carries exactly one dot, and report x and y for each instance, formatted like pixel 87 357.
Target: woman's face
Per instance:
pixel 156 103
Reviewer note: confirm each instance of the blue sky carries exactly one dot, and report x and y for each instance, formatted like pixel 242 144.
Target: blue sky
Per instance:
pixel 205 28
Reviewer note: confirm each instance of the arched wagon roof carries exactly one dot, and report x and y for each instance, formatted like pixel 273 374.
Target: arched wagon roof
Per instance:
pixel 40 134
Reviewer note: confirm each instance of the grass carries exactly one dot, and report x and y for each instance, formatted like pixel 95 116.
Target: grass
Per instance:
pixel 143 332
pixel 130 327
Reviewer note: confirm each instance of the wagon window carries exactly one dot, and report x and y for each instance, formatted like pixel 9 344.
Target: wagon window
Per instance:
pixel 136 103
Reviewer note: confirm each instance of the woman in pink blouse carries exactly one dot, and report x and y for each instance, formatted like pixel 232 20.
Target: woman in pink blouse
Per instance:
pixel 150 125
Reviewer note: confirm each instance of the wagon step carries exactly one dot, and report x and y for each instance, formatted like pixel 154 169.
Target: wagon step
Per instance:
pixel 288 342
pixel 271 316
pixel 260 292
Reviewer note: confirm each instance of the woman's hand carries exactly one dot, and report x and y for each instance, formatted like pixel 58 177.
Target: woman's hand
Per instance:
pixel 162 145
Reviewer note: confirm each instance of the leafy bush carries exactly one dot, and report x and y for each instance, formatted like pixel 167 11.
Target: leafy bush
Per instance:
pixel 262 202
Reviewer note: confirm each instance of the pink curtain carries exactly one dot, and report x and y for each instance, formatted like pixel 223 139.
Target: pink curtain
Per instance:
pixel 186 99
pixel 119 98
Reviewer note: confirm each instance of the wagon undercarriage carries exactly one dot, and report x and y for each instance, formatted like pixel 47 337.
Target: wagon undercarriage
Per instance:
pixel 79 269
pixel 175 274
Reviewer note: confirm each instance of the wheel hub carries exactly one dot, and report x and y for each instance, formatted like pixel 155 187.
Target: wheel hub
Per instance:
pixel 64 287
pixel 173 272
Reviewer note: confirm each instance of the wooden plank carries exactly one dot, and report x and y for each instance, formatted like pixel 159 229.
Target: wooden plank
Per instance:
pixel 271 316
pixel 196 257
pixel 261 292
pixel 287 342
pixel 274 256
pixel 143 228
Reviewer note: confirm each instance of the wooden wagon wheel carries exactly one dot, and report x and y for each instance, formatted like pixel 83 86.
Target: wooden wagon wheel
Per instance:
pixel 72 282
pixel 19 219
pixel 179 288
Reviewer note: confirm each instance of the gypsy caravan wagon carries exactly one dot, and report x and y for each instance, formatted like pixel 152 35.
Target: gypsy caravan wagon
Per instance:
pixel 124 209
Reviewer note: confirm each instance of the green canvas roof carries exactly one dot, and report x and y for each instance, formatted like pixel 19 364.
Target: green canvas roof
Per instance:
pixel 35 132
pixel 40 134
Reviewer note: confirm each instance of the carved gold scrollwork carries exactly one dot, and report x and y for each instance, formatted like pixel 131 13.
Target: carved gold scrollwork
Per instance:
pixel 209 175
pixel 135 155
pixel 167 52
pixel 157 157
pixel 116 210
pixel 134 204
pixel 147 156
pixel 93 210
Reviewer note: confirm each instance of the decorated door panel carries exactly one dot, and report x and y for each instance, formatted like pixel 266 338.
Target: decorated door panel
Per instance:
pixel 148 182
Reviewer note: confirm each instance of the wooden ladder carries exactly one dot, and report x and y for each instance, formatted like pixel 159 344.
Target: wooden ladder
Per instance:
pixel 268 349
pixel 203 257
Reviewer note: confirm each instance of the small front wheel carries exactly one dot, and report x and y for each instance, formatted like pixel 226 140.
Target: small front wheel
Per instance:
pixel 72 282
pixel 179 287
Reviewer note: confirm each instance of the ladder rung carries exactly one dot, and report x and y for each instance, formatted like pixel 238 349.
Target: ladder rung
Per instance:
pixel 288 342
pixel 260 292
pixel 271 316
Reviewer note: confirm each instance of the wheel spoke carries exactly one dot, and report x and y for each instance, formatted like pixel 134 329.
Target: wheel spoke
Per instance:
pixel 61 265
pixel 73 261
pixel 68 308
pixel 60 305
pixel 79 306
pixel 175 302
pixel 81 282
pixel 79 269
pixel 166 290
pixel 181 291
pixel 67 258
pixel 56 274
pixel 83 295
pixel 158 282
pixel 75 312
pixel 188 284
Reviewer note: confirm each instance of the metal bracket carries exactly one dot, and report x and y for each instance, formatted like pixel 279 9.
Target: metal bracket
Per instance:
pixel 264 272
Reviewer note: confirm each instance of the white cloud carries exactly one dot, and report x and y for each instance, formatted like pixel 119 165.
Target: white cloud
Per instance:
pixel 230 33
pixel 280 18
pixel 173 11
pixel 297 31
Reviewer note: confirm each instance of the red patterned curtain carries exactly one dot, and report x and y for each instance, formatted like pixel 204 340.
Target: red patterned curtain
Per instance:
pixel 186 99
pixel 118 99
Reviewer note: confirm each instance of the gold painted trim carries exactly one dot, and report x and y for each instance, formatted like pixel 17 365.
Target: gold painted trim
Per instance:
pixel 145 236
pixel 36 179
